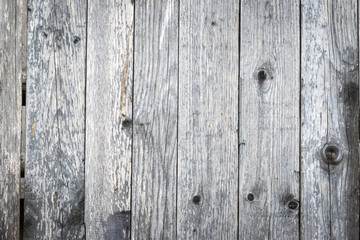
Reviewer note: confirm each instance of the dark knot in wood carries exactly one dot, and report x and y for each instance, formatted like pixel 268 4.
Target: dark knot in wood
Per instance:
pixel 250 197
pixel 331 153
pixel 293 205
pixel 196 199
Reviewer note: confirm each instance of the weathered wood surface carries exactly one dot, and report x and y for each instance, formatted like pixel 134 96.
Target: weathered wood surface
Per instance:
pixel 10 123
pixel 203 119
pixel 155 120
pixel 54 191
pixel 207 206
pixel 269 120
pixel 109 119
pixel 330 102
pixel 21 38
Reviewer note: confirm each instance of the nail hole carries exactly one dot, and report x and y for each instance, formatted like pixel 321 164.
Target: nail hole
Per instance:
pixel 250 197
pixel 293 205
pixel 196 199
pixel 262 75
pixel 213 23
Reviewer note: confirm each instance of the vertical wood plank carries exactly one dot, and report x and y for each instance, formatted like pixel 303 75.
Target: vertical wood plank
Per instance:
pixel 109 119
pixel 155 120
pixel 208 120
pixel 10 124
pixel 269 120
pixel 330 108
pixel 21 38
pixel 54 190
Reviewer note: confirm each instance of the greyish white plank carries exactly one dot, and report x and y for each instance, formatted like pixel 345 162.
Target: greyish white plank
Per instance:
pixel 269 120
pixel 329 113
pixel 10 123
pixel 109 119
pixel 207 200
pixel 155 120
pixel 54 188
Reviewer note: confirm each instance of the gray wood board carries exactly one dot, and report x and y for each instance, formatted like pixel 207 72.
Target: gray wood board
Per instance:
pixel 109 119
pixel 10 123
pixel 54 188
pixel 329 97
pixel 207 203
pixel 21 38
pixel 155 120
pixel 269 120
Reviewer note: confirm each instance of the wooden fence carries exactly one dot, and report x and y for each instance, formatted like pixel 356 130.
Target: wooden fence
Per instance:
pixel 216 119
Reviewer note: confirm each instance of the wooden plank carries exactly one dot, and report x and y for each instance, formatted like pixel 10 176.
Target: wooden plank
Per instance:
pixel 54 188
pixel 109 119
pixel 10 124
pixel 208 120
pixel 329 96
pixel 269 120
pixel 21 38
pixel 155 120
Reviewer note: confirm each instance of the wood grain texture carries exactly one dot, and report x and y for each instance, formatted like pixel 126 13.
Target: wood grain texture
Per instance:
pixel 54 189
pixel 208 120
pixel 269 120
pixel 10 124
pixel 329 97
pixel 109 119
pixel 155 120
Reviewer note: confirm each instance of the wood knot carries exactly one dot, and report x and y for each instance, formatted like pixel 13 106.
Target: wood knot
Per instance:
pixel 250 197
pixel 263 76
pixel 196 199
pixel 293 204
pixel 76 40
pixel 331 153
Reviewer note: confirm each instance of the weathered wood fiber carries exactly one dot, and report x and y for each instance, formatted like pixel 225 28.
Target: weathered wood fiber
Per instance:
pixel 109 119
pixel 10 123
pixel 54 191
pixel 269 120
pixel 330 102
pixel 207 203
pixel 155 120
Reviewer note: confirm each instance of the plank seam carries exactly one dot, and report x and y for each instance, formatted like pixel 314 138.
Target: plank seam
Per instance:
pixel 300 115
pixel 132 114
pixel 239 125
pixel 85 94
pixel 177 120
